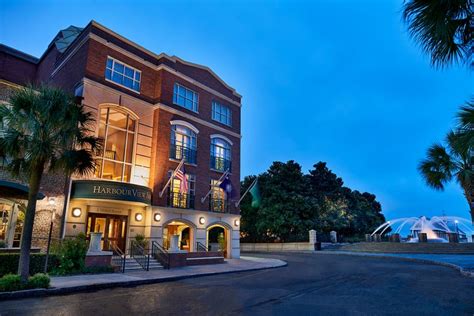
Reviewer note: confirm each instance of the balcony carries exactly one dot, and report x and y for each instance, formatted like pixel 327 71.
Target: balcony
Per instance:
pixel 221 164
pixel 179 152
pixel 218 205
pixel 180 200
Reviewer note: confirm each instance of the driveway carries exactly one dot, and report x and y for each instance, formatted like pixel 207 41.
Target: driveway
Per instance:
pixel 312 283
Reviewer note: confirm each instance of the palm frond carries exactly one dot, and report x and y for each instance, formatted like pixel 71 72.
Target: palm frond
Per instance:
pixel 437 168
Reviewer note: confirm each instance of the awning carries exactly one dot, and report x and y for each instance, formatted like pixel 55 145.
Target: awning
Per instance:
pixel 12 190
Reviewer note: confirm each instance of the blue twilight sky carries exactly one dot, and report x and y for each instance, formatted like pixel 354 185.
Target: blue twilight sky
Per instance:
pixel 337 81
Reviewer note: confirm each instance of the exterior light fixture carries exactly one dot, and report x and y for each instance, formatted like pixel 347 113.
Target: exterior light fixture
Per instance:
pixel 456 221
pixel 202 220
pixel 237 222
pixel 157 217
pixel 52 201
pixel 138 217
pixel 76 212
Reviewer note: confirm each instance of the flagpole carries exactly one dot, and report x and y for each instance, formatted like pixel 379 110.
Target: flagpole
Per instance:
pixel 220 180
pixel 245 193
pixel 172 177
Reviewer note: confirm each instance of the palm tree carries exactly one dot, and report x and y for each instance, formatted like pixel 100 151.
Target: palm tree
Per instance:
pixel 443 28
pixel 450 162
pixel 465 124
pixel 45 130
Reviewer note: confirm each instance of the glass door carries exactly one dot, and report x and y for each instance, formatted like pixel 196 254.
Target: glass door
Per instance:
pixel 112 227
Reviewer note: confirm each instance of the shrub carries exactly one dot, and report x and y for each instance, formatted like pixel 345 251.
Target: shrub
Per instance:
pixel 71 255
pixel 3 244
pixel 141 241
pixel 39 280
pixel 10 282
pixel 9 263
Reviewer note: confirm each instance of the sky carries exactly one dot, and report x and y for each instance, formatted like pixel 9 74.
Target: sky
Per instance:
pixel 338 81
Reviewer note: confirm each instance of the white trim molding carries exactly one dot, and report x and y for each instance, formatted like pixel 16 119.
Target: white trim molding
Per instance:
pixel 184 123
pixel 222 137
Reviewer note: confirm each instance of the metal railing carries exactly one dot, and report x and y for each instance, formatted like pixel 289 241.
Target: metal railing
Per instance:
pixel 160 254
pixel 218 205
pixel 118 257
pixel 221 164
pixel 140 255
pixel 200 247
pixel 179 152
pixel 180 200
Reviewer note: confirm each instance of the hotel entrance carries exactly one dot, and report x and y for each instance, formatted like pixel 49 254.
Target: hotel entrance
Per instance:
pixel 112 227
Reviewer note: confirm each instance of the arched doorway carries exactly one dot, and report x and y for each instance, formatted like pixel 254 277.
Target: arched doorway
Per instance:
pixel 183 230
pixel 218 239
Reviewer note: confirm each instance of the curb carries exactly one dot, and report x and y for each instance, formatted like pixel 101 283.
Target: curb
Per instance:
pixel 422 260
pixel 100 286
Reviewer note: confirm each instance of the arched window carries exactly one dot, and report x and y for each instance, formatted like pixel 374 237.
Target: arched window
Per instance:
pixel 183 143
pixel 117 129
pixel 220 154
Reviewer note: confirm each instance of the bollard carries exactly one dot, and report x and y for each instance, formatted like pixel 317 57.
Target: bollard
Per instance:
pixel 377 238
pixel 453 237
pixel 333 236
pixel 368 238
pixel 395 238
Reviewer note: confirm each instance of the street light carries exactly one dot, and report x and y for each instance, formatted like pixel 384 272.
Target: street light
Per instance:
pixel 52 203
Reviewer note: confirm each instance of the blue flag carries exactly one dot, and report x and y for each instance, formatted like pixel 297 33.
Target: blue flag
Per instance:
pixel 227 186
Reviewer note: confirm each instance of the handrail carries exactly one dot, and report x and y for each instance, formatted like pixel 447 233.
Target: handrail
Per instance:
pixel 140 255
pixel 117 252
pixel 201 248
pixel 160 254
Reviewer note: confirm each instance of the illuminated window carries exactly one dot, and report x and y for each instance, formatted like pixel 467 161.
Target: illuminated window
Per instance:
pixel 183 144
pixel 217 200
pixel 117 130
pixel 220 154
pixel 221 113
pixel 123 74
pixel 178 199
pixel 185 97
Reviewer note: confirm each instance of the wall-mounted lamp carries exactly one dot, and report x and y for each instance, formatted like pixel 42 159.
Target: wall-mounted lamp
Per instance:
pixel 237 222
pixel 52 201
pixel 202 220
pixel 138 217
pixel 76 212
pixel 157 217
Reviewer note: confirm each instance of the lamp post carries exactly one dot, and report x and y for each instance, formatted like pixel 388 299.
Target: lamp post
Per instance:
pixel 52 202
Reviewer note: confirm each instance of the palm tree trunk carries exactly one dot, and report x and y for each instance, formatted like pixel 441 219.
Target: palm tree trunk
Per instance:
pixel 27 233
pixel 468 194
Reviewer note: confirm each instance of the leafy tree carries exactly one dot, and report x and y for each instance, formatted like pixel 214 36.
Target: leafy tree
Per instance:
pixel 443 28
pixel 45 130
pixel 447 162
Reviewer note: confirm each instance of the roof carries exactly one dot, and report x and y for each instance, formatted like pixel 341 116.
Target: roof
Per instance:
pixel 12 51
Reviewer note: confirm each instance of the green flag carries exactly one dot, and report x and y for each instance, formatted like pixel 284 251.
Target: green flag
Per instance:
pixel 256 199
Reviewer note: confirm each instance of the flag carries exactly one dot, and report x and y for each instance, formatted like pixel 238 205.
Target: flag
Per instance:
pixel 227 186
pixel 256 199
pixel 181 175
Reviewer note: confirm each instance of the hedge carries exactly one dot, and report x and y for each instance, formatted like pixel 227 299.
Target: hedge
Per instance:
pixel 9 263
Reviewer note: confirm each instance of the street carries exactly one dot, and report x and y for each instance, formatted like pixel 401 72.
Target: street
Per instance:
pixel 312 283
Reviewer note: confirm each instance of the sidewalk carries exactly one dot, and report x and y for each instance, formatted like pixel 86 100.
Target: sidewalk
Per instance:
pixel 463 263
pixel 69 284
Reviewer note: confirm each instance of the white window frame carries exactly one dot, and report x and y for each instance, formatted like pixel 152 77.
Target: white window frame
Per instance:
pixel 114 60
pixel 219 116
pixel 175 98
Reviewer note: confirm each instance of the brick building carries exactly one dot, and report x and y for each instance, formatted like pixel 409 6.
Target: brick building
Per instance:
pixel 152 111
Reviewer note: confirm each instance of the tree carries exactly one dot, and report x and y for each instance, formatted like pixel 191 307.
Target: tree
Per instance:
pixel 452 161
pixel 45 131
pixel 443 28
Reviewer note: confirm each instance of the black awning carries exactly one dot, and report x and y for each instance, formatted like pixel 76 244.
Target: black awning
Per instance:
pixel 12 190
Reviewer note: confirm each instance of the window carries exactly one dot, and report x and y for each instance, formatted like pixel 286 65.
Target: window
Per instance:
pixel 183 144
pixel 217 200
pixel 122 74
pixel 185 97
pixel 221 113
pixel 220 154
pixel 182 200
pixel 118 131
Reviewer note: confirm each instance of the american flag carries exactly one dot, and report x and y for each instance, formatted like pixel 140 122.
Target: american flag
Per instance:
pixel 181 175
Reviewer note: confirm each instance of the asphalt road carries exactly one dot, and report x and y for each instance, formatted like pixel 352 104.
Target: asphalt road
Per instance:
pixel 311 284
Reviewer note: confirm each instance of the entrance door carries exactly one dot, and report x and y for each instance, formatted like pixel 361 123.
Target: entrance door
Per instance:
pixel 112 227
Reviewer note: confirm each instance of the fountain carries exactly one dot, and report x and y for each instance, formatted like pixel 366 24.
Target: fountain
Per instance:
pixel 437 228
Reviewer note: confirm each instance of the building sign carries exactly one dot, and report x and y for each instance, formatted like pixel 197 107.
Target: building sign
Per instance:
pixel 108 190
